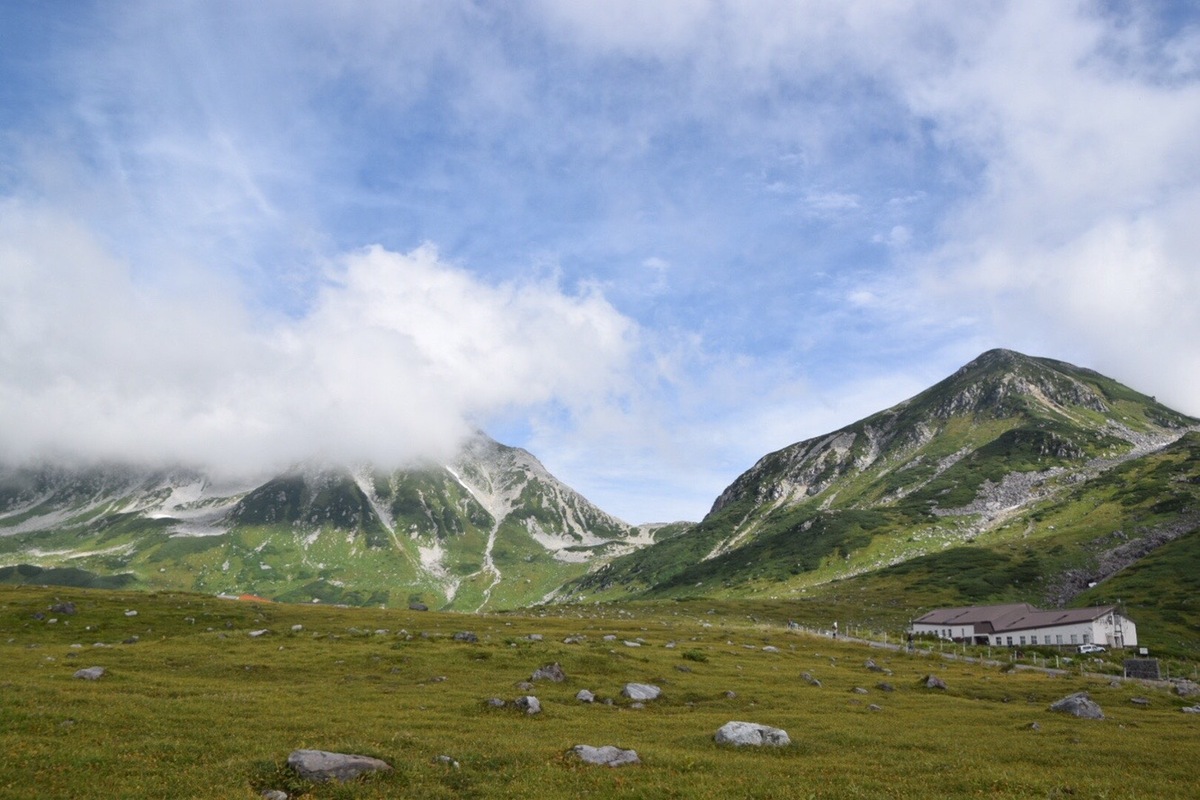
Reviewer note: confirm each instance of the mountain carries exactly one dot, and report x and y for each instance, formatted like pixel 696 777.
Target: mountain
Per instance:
pixel 1014 479
pixel 491 529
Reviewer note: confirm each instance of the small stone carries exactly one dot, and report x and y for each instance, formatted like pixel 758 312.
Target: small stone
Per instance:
pixel 297 628
pixel 752 734
pixel 417 607
pixel 131 640
pixel 1079 705
pixel 529 704
pixel 91 673
pixel 260 633
pixel 808 678
pixel 496 702
pixel 730 694
pixel 584 696
pixel 637 705
pixel 1139 701
pixel 641 691
pixel 550 672
pixel 447 760
pixel 874 707
pixel 872 666
pixel 466 636
pixel 1190 709
pixel 1033 726
pixel 535 637
pixel 933 682
pixel 63 608
pixel 884 686
pixel 273 794
pixel 321 765
pixel 632 644
pixel 858 690
pixel 573 640
pixel 770 649
pixel 524 686
pixel 608 755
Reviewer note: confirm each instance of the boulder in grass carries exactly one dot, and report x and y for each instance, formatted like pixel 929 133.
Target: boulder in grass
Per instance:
pixel 607 756
pixel 529 704
pixel 641 691
pixel 1190 709
pixel 933 682
pixel 551 672
pixel 740 734
pixel 321 765
pixel 1079 705
pixel 470 637
pixel 584 696
pixel 91 673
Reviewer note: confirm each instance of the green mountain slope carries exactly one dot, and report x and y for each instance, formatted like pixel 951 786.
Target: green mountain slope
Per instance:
pixel 491 529
pixel 1016 478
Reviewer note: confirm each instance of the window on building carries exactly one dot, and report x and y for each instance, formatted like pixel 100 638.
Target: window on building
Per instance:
pixel 1022 640
pixel 1058 638
pixel 1073 638
pixel 1010 641
pixel 1087 638
pixel 1032 639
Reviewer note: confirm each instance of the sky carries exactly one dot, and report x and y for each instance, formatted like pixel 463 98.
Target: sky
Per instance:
pixel 649 242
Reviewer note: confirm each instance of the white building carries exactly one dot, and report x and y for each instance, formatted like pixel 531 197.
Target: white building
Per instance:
pixel 1019 624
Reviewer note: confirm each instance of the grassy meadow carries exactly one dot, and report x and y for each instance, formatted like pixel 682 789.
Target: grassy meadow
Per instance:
pixel 197 707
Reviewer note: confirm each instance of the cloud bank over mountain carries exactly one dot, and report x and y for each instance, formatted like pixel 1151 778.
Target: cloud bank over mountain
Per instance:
pixel 754 221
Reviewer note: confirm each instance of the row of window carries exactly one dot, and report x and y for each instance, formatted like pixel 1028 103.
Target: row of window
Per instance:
pixel 948 633
pixel 1033 639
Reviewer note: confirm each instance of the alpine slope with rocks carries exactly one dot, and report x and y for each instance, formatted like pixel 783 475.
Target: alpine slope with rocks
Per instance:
pixel 1014 479
pixel 493 528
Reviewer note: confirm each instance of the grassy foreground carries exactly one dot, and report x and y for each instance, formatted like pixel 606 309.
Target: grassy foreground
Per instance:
pixel 196 707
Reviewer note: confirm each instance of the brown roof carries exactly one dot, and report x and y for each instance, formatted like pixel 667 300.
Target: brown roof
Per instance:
pixel 1012 617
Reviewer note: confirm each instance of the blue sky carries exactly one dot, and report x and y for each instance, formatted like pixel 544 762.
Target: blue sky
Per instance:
pixel 649 242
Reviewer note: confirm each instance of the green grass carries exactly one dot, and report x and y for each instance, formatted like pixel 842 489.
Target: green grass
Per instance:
pixel 198 708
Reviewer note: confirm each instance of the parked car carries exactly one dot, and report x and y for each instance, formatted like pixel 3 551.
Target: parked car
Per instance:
pixel 1090 648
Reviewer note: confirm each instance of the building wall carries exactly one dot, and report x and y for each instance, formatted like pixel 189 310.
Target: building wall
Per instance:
pixel 1101 631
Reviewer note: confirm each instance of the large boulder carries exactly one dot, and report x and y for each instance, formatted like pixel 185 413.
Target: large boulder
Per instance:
pixel 752 734
pixel 641 691
pixel 933 682
pixel 608 755
pixel 1079 705
pixel 90 673
pixel 321 765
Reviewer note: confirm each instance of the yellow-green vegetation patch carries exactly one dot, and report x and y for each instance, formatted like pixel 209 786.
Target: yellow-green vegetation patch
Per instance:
pixel 197 706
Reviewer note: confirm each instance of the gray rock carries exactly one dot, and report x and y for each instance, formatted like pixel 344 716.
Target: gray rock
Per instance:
pixel 1079 705
pixel 730 695
pixel 260 633
pixel 641 691
pixel 273 794
pixel 872 666
pixel 610 637
pixel 1187 688
pixel 770 649
pixel 1033 726
pixel 63 608
pixel 1139 701
pixel 1190 709
pixel 874 707
pixel 535 637
pixel 607 756
pixel 884 686
pixel 858 690
pixel 933 682
pixel 551 672
pixel 447 760
pixel 321 765
pixel 466 636
pixel 529 704
pixel 91 673
pixel 496 702
pixel 752 734
pixel 524 686
pixel 808 678
pixel 584 696
pixel 417 607
pixel 573 640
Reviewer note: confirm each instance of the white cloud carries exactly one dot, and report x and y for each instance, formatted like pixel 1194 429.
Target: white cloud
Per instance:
pixel 399 357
